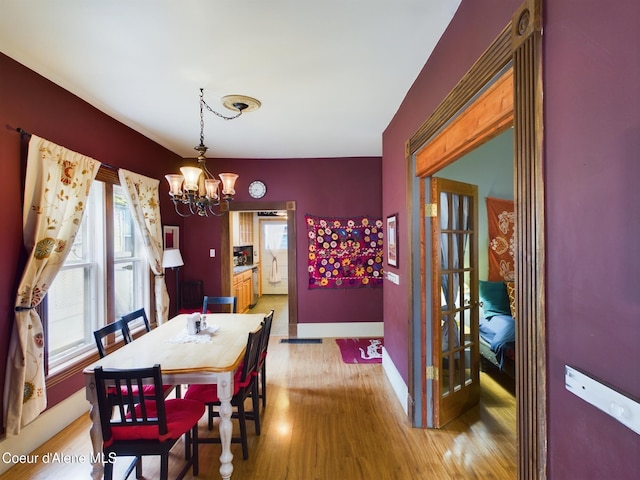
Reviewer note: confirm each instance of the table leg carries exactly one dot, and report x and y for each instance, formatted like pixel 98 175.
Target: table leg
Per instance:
pixel 225 392
pixel 95 431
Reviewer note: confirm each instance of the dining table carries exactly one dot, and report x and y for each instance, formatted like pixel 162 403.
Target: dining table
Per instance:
pixel 210 356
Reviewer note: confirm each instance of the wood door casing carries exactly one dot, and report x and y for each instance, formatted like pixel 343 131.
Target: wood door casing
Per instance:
pixel 519 48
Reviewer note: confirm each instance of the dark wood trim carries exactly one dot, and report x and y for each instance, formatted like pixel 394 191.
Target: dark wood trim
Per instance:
pixel 531 356
pixel 226 268
pixel 494 60
pixel 519 44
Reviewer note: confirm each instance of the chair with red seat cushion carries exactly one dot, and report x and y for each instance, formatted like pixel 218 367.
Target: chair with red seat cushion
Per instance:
pixel 208 302
pixel 191 294
pixel 144 426
pixel 127 320
pixel 110 329
pixel 244 385
pixel 139 314
pixel 262 359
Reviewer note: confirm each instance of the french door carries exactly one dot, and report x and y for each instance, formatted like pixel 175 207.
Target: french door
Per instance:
pixel 454 299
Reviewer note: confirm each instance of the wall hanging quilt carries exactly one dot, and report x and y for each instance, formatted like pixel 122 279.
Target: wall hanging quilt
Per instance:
pixel 345 252
pixel 502 220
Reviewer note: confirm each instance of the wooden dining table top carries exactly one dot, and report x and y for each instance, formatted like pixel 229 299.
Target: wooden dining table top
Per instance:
pixel 176 352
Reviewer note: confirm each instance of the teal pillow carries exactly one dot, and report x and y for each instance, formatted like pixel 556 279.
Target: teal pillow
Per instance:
pixel 495 299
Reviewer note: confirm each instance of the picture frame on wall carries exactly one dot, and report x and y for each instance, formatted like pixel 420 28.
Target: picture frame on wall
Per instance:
pixel 171 236
pixel 392 240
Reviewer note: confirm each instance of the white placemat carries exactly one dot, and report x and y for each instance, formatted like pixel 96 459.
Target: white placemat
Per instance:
pixel 205 336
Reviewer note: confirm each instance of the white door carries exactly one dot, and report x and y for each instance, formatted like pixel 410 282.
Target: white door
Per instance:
pixel 273 256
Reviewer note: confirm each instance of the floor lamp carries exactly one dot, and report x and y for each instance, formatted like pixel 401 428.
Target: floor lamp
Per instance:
pixel 172 259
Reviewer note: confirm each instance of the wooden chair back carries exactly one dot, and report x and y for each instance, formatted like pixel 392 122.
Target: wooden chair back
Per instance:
pixel 133 316
pixel 191 293
pixel 230 302
pixel 109 329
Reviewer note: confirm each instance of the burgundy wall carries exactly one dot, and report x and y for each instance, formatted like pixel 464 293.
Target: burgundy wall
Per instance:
pixel 33 103
pixel 592 139
pixel 339 187
pixel 332 187
pixel 464 41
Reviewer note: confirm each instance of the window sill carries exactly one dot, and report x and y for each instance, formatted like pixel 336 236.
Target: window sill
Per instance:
pixel 74 366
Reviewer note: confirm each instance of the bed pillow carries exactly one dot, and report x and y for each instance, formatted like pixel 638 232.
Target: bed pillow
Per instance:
pixel 494 297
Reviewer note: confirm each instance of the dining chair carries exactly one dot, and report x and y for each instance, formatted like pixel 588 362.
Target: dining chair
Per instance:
pixel 136 315
pixel 122 326
pixel 245 385
pixel 144 426
pixel 111 328
pixel 209 301
pixel 261 371
pixel 191 294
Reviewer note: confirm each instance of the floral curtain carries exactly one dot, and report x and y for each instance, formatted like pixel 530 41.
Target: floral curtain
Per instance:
pixel 142 194
pixel 56 188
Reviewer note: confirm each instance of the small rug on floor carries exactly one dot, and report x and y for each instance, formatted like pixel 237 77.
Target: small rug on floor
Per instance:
pixel 360 350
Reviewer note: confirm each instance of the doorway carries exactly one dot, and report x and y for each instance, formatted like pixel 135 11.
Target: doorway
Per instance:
pixel 517 52
pixel 289 276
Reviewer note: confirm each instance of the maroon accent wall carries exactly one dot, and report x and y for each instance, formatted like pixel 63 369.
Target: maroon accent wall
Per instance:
pixel 474 27
pixel 337 187
pixel 31 102
pixel 592 139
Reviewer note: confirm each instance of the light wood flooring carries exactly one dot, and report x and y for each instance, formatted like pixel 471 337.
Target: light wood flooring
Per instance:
pixel 326 420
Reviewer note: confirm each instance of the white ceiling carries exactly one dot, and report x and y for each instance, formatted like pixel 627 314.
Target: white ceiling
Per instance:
pixel 330 73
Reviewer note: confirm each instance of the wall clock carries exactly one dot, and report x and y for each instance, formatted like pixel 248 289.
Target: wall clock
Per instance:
pixel 257 189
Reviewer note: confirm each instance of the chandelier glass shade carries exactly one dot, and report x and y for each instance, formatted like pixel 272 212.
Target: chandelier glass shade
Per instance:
pixel 195 190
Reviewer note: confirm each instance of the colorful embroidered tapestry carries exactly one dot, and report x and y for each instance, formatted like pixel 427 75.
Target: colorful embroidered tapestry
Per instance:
pixel 344 252
pixel 501 219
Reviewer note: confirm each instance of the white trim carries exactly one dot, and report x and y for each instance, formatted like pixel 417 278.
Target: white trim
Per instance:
pixel 47 425
pixel 397 383
pixel 340 330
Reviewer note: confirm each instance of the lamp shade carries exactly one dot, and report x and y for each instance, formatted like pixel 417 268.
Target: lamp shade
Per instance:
pixel 171 258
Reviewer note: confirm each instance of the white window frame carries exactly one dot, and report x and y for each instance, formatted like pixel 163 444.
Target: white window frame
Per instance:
pixel 102 276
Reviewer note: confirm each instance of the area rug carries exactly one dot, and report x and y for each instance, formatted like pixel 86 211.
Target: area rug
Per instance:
pixel 360 350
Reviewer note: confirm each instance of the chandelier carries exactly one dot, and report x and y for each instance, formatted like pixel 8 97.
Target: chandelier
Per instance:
pixel 196 191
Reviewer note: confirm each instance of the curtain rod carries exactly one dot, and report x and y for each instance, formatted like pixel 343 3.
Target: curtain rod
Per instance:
pixel 22 131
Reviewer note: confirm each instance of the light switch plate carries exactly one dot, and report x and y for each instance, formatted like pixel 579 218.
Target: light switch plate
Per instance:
pixel 212 252
pixel 611 401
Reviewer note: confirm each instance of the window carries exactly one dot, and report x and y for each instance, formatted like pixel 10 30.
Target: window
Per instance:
pixel 105 276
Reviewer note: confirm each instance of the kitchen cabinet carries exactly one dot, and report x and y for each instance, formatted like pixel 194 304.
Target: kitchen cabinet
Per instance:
pixel 243 290
pixel 242 228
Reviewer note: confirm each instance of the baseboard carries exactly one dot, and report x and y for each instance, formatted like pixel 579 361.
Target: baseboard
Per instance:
pixel 47 425
pixel 397 383
pixel 340 330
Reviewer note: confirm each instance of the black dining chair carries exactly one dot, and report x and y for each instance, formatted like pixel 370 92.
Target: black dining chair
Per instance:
pixel 110 329
pixel 208 302
pixel 191 294
pixel 139 314
pixel 261 371
pixel 144 425
pixel 245 385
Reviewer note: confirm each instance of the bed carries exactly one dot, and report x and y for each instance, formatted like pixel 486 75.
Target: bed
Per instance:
pixel 497 326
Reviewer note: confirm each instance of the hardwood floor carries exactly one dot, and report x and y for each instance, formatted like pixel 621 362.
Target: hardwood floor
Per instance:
pixel 326 420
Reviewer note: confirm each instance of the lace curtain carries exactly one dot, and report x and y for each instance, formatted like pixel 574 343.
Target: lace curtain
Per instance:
pixel 56 189
pixel 142 194
pixel 273 239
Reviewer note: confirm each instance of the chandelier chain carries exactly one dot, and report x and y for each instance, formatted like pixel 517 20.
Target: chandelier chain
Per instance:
pixel 205 104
